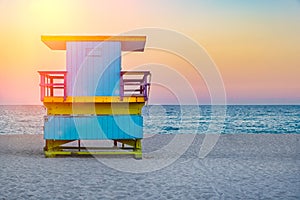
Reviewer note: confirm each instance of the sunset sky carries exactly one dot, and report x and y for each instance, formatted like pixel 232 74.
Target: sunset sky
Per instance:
pixel 255 44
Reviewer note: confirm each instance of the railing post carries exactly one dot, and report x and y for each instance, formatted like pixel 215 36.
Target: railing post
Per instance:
pixel 65 85
pixel 145 92
pixel 121 86
pixel 51 86
pixel 42 85
pixel 145 84
pixel 46 85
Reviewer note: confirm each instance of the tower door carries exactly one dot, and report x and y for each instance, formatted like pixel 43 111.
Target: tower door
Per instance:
pixel 93 68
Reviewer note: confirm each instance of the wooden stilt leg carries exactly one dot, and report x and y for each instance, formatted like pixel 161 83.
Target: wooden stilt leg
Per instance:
pixel 138 149
pixel 53 146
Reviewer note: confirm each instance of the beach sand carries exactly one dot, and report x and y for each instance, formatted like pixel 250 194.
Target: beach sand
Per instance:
pixel 241 166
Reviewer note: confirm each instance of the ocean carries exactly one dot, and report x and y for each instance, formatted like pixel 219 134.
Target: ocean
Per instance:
pixel 175 119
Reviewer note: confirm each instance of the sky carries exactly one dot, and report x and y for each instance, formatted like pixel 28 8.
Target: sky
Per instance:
pixel 254 44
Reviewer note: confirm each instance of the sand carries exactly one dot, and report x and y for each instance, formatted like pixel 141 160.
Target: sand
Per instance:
pixel 241 166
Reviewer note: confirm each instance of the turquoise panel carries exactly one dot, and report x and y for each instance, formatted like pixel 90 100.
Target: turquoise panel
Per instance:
pixel 93 68
pixel 93 127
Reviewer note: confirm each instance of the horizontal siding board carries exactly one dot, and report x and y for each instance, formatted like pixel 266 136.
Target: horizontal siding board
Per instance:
pixel 93 127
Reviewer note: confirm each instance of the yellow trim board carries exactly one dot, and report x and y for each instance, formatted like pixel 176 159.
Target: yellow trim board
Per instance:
pixel 53 148
pixel 128 43
pixel 94 108
pixel 52 154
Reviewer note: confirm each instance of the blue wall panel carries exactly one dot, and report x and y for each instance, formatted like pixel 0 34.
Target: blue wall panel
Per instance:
pixel 93 127
pixel 93 68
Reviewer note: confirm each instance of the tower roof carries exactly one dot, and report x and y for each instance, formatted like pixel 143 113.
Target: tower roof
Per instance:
pixel 128 43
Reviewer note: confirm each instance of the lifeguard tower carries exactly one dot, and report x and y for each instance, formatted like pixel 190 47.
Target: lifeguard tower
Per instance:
pixel 94 99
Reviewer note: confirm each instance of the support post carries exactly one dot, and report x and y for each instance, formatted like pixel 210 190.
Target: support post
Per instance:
pixel 42 85
pixel 65 85
pixel 51 86
pixel 138 149
pixel 121 86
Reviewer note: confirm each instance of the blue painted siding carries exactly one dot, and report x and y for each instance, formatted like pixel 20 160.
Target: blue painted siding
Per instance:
pixel 93 68
pixel 93 127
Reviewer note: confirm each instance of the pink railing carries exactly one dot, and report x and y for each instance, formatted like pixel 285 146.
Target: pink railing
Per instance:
pixel 50 81
pixel 132 83
pixel 135 83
